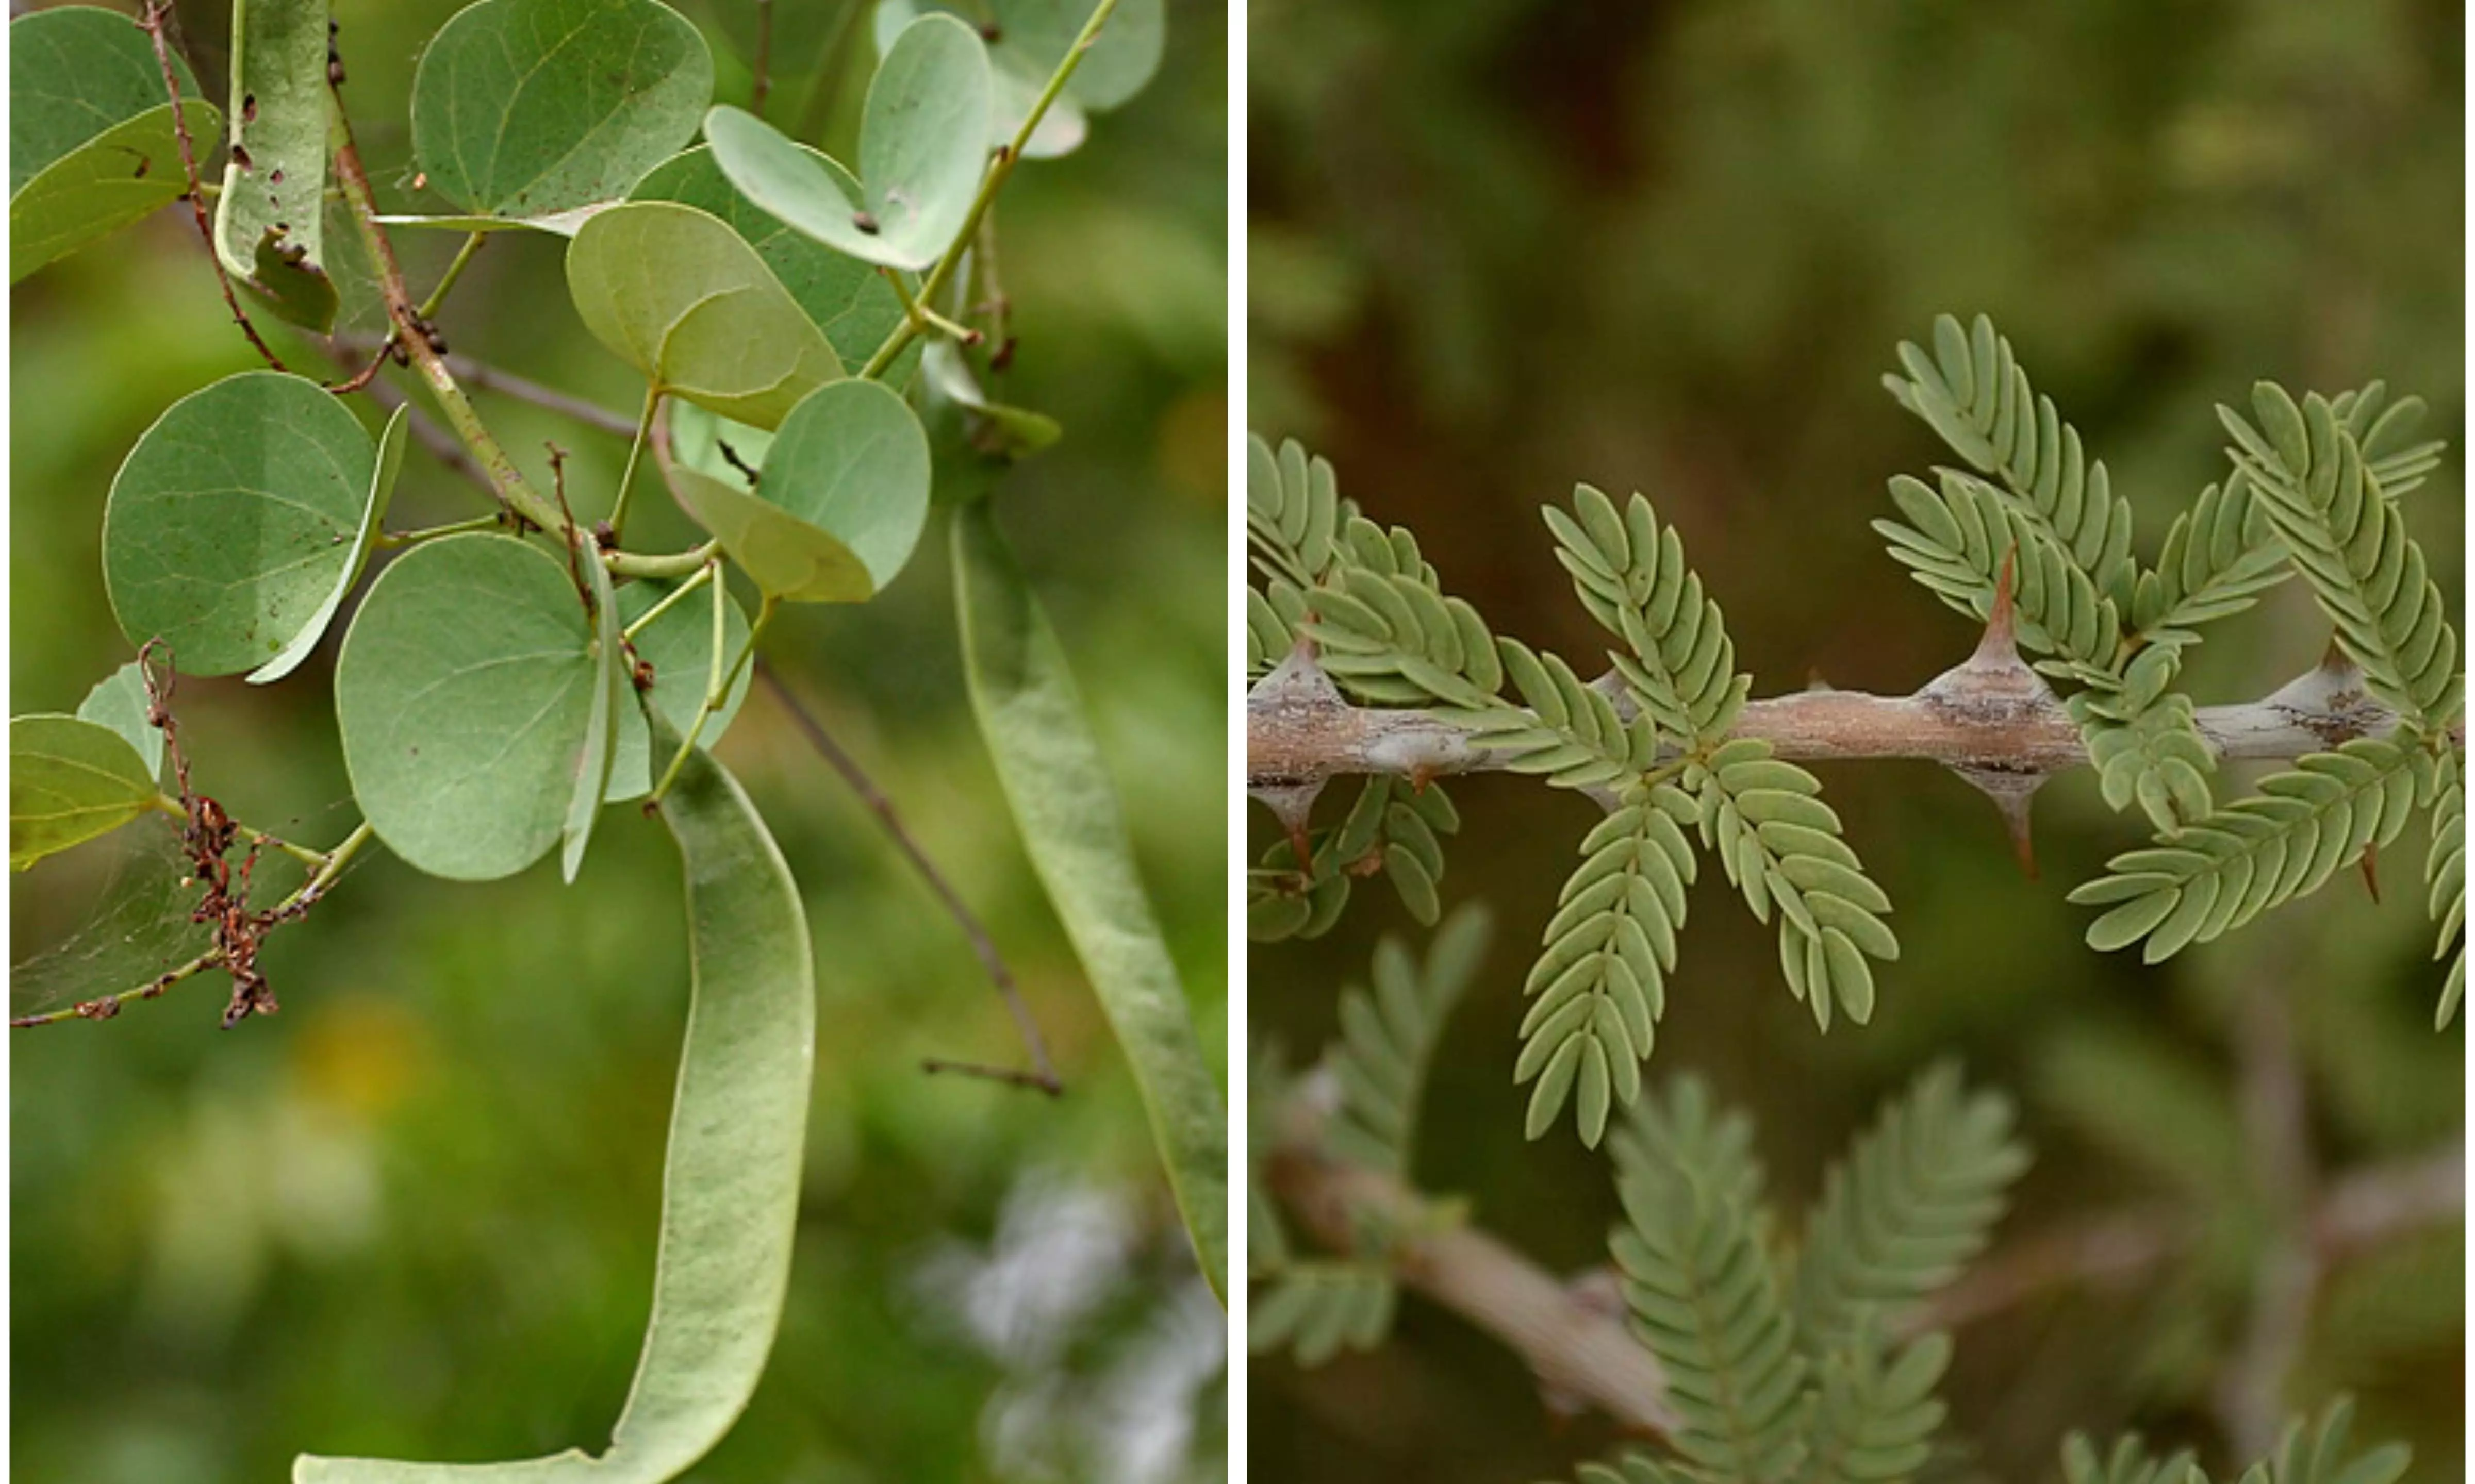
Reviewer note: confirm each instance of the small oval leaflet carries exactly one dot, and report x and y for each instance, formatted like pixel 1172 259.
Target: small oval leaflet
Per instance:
pixel 923 145
pixel 69 781
pixel 235 520
pixel 676 294
pixel 92 145
pixel 528 108
pixel 464 694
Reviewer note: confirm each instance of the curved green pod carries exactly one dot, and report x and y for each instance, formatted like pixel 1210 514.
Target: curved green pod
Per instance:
pixel 730 1188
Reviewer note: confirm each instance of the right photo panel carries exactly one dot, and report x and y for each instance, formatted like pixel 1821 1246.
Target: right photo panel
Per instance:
pixel 1855 733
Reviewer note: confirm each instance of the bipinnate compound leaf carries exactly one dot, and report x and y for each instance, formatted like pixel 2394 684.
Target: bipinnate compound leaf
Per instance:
pixel 730 1181
pixel 268 221
pixel 235 519
pixel 593 761
pixel 1049 764
pixel 1030 39
pixel 69 781
pixel 839 501
pixel 923 144
pixel 679 647
pixel 92 145
pixel 464 694
pixel 674 292
pixel 118 702
pixel 845 298
pixel 528 108
pixel 390 459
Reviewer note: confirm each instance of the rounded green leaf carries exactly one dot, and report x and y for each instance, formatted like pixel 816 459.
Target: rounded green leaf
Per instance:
pixel 119 702
pixel 390 459
pixel 531 107
pixel 845 298
pixel 69 781
pixel 839 500
pixel 231 523
pixel 679 647
pixel 675 293
pixel 464 694
pixel 851 461
pixel 1030 39
pixel 269 219
pixel 92 146
pixel 923 144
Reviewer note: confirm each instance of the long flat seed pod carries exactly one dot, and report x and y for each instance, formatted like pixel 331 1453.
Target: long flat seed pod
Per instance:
pixel 731 1190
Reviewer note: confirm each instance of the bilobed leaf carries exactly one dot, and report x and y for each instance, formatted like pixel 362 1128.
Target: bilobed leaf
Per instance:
pixel 1049 763
pixel 390 459
pixel 269 219
pixel 593 761
pixel 1030 39
pixel 532 108
pixel 118 702
pixel 679 647
pixel 730 1182
pixel 464 692
pixel 69 781
pixel 923 145
pixel 92 146
pixel 235 518
pixel 674 292
pixel 845 298
pixel 839 501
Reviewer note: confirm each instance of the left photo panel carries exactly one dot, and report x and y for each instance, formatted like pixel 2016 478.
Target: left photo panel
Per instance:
pixel 618 634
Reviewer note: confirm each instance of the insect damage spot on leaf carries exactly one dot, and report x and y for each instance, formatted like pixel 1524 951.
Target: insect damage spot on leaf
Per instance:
pixel 865 222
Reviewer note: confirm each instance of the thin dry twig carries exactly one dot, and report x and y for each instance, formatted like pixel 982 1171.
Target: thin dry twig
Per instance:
pixel 485 377
pixel 1043 1074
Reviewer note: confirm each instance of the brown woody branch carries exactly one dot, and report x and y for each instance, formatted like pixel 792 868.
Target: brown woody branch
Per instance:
pixel 1992 714
pixel 1574 1336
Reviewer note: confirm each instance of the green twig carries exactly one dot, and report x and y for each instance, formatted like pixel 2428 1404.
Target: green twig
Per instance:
pixel 718 687
pixel 702 575
pixel 454 270
pixel 635 452
pixel 393 541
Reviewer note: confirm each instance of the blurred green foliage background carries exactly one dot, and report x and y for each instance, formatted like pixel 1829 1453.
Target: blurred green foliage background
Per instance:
pixel 1500 247
pixel 415 1213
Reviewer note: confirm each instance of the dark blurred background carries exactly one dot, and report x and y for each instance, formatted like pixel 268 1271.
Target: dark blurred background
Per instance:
pixel 415 1214
pixel 1500 247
